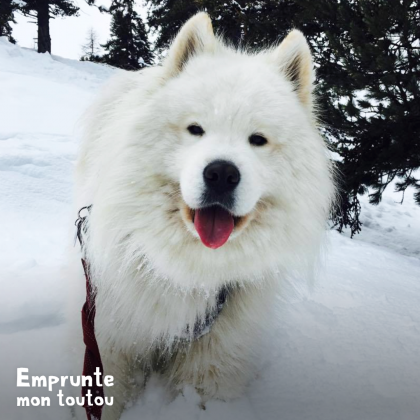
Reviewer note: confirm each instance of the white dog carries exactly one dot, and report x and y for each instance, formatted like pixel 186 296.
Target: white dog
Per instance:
pixel 209 183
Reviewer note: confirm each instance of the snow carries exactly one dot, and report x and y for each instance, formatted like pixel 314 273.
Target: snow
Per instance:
pixel 349 349
pixel 391 223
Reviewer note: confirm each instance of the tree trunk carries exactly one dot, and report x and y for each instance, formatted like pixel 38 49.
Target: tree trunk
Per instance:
pixel 43 15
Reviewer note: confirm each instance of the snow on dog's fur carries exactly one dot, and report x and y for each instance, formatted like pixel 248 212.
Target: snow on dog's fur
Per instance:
pixel 158 217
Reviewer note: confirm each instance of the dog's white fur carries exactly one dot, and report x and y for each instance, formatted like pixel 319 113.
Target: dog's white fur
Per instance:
pixel 140 168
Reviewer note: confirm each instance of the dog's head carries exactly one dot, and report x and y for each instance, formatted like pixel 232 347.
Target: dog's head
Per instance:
pixel 235 178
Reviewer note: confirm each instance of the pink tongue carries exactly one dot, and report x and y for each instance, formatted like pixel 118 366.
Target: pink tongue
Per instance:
pixel 214 225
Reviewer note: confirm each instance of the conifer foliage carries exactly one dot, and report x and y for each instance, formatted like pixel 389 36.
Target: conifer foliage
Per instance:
pixel 257 22
pixel 167 17
pixel 372 80
pixel 129 46
pixel 7 9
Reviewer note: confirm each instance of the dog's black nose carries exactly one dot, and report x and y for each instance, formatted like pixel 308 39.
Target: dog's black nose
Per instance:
pixel 221 176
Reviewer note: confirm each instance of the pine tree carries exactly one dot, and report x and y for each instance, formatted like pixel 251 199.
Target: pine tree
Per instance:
pixel 7 9
pixel 128 47
pixel 369 69
pixel 43 11
pixel 91 48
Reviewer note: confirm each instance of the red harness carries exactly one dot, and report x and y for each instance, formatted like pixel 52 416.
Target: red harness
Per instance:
pixel 92 359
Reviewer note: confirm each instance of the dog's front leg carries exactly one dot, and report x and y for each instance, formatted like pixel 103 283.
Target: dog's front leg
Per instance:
pixel 128 381
pixel 220 364
pixel 215 367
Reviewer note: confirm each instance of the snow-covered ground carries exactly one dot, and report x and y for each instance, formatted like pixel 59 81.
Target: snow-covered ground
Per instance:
pixel 348 350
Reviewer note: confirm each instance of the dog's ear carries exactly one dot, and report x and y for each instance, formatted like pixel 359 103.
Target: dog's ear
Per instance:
pixel 293 58
pixel 195 37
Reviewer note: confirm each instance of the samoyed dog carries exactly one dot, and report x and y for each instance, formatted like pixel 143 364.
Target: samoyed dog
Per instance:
pixel 209 185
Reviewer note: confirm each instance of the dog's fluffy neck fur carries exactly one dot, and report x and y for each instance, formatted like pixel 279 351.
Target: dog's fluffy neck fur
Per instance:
pixel 168 308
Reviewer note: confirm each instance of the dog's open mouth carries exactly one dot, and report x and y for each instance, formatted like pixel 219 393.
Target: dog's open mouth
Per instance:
pixel 214 224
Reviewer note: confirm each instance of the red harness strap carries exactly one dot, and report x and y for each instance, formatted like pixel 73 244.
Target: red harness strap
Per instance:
pixel 92 360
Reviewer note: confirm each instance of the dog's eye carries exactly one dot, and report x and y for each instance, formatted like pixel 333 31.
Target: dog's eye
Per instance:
pixel 257 140
pixel 195 130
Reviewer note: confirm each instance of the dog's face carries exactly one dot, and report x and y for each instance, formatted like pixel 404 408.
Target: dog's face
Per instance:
pixel 238 181
pixel 230 126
